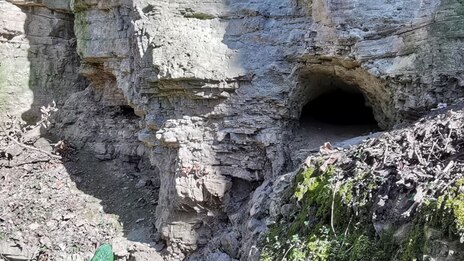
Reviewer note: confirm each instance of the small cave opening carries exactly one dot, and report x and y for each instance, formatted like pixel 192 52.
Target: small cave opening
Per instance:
pixel 339 107
pixel 126 111
pixel 331 109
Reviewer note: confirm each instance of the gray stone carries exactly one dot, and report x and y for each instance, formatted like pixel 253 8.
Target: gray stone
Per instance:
pixel 100 148
pixel 217 87
pixel 218 256
pixel 230 244
pixel 143 256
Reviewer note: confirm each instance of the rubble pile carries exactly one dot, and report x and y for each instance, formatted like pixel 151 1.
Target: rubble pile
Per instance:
pixel 396 197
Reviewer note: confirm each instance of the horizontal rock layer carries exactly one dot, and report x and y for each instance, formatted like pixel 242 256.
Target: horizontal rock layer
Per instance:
pixel 219 85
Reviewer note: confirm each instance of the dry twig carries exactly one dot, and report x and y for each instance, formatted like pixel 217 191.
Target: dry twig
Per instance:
pixel 30 147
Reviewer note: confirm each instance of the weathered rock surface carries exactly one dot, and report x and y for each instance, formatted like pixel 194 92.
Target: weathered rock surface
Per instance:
pixel 39 62
pixel 219 87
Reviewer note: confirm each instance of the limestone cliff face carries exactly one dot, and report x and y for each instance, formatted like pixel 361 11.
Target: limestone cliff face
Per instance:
pixel 219 85
pixel 38 59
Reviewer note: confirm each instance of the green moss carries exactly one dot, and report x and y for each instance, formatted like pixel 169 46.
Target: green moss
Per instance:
pixel 319 249
pixel 361 247
pixel 296 254
pixel 299 224
pixel 444 215
pixel 82 31
pixel 325 207
pixel 314 192
pixel 334 214
pixel 345 192
pixel 200 16
pixel 302 181
pixel 456 206
pixel 414 245
pixel 324 202
pixel 314 189
pixel 449 210
pixel 80 6
pixel 297 239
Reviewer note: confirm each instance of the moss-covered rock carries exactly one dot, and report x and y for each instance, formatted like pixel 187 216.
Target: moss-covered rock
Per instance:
pixel 78 6
pixel 326 227
pixel 378 201
pixel 82 29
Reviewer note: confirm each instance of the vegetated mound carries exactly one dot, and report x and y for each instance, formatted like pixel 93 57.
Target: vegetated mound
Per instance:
pixel 396 197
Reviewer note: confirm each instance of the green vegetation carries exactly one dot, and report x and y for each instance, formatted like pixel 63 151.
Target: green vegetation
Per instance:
pixel 80 6
pixel 82 30
pixel 443 217
pixel 326 227
pixel 413 246
pixel 447 213
pixel 455 204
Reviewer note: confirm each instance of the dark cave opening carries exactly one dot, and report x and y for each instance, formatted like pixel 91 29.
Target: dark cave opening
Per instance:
pixel 332 109
pixel 127 111
pixel 339 107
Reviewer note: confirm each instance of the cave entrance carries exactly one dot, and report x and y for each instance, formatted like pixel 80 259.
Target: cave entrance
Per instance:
pixel 338 107
pixel 332 110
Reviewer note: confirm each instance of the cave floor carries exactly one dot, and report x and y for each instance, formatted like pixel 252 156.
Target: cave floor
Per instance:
pixel 311 134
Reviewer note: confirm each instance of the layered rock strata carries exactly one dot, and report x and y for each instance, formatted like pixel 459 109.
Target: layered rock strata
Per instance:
pixel 39 60
pixel 219 87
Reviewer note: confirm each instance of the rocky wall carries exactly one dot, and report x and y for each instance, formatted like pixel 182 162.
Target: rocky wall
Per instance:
pixel 392 51
pixel 39 61
pixel 219 87
pixel 14 68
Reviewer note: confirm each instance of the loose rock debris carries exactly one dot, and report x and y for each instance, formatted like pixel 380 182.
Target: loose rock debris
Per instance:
pixel 402 189
pixel 44 215
pixel 420 161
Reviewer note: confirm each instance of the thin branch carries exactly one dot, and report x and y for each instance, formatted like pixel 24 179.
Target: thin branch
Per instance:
pixel 385 154
pixel 31 162
pixel 286 252
pixel 332 211
pixel 419 156
pixel 431 150
pixel 30 147
pixel 348 227
pixel 346 233
pixel 448 139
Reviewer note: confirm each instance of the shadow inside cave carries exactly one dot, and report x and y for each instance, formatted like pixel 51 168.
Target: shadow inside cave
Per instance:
pixel 332 110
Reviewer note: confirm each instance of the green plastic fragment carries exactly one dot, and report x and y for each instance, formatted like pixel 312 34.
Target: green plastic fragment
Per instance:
pixel 104 253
